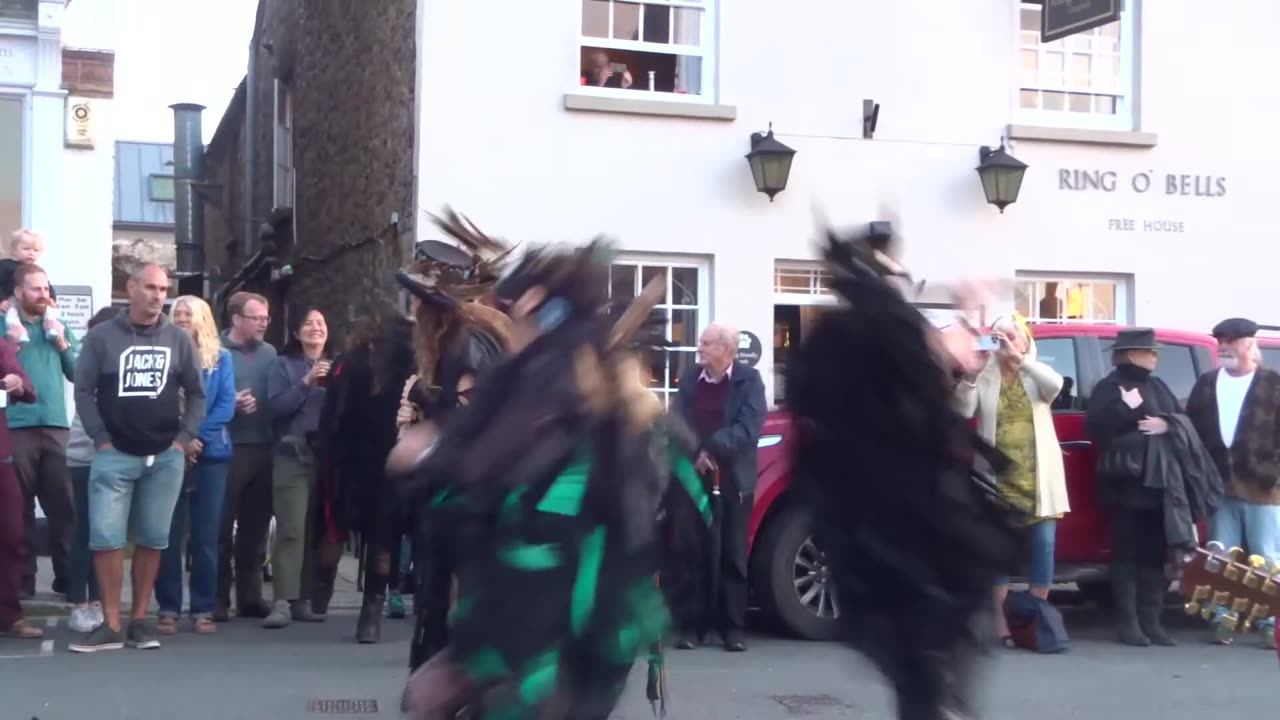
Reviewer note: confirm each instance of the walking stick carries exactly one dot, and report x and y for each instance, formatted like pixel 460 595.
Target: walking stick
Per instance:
pixel 656 686
pixel 717 518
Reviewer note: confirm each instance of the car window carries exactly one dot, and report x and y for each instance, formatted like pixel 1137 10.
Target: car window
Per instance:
pixel 1060 354
pixel 1178 369
pixel 1271 357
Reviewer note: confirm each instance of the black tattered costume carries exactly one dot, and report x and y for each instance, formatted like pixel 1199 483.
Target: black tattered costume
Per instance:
pixel 553 472
pixel 916 535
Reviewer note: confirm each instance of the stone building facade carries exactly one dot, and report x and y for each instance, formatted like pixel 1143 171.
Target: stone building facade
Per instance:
pixel 329 115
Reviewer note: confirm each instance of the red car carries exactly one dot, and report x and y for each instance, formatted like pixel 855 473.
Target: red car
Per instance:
pixel 789 575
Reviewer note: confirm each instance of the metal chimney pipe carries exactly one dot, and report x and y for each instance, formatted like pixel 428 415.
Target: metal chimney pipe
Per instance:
pixel 188 170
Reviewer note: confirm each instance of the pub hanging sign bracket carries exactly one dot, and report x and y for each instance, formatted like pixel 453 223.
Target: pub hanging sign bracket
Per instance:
pixel 1063 18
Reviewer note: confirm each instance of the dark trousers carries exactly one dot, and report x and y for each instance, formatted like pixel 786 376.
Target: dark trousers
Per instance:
pixel 434 565
pixel 11 541
pixel 1138 538
pixel 726 612
pixel 40 460
pixel 82 581
pixel 199 510
pixel 248 508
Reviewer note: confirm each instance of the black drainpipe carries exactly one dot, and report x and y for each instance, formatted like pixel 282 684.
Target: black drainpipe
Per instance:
pixel 188 172
pixel 249 244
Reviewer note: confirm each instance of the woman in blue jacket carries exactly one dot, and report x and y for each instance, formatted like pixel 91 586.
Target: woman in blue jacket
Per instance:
pixel 206 484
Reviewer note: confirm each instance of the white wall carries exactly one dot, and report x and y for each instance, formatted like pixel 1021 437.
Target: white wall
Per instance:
pixel 80 252
pixel 496 142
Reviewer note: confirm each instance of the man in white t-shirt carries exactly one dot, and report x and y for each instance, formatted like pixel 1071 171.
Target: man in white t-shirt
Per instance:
pixel 1236 411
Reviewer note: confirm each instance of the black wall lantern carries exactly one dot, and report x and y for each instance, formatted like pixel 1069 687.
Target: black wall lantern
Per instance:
pixel 1001 175
pixel 770 163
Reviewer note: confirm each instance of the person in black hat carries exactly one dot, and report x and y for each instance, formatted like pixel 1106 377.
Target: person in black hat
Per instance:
pixel 1236 411
pixel 1128 411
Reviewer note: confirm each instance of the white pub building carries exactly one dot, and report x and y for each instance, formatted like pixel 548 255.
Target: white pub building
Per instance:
pixel 1150 144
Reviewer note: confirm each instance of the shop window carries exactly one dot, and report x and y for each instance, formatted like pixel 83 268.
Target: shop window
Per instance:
pixel 283 147
pixel 683 310
pixel 160 188
pixel 661 46
pixel 1072 300
pixel 1083 80
pixel 26 11
pixel 12 146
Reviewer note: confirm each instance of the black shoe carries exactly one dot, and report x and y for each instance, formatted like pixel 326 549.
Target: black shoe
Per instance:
pixel 1152 586
pixel 59 586
pixel 686 642
pixel 733 642
pixel 220 612
pixel 1124 591
pixel 259 610
pixel 369 626
pixel 140 636
pixel 98 639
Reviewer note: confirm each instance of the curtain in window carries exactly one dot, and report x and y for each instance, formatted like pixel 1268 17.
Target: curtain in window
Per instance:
pixel 688 68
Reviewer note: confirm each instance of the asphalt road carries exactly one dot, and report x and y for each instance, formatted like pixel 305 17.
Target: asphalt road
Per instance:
pixel 247 673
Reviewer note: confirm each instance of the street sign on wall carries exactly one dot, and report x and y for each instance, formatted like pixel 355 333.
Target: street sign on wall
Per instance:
pixel 75 307
pixel 1062 18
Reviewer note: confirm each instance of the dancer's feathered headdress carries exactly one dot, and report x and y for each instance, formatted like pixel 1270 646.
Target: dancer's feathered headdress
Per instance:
pixel 445 274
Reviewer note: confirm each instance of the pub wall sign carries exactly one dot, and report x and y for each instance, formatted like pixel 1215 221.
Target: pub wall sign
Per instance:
pixel 1062 18
pixel 1213 186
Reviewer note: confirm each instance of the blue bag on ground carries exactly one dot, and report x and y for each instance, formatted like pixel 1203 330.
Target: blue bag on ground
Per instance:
pixel 1035 624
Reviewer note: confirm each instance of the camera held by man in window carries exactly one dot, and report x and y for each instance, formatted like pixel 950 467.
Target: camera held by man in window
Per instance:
pixel 603 73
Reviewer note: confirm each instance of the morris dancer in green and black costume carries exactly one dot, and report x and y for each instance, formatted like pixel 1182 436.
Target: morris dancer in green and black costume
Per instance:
pixel 557 476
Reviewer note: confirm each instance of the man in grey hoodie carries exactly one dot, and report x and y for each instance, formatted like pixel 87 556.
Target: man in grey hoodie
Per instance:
pixel 246 518
pixel 140 398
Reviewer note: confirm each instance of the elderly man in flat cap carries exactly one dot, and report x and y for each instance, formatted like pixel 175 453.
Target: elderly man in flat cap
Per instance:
pixel 1236 411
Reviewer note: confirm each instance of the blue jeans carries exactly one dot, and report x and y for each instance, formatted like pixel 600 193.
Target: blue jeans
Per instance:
pixel 1248 525
pixel 1255 527
pixel 131 492
pixel 1042 537
pixel 82 582
pixel 201 508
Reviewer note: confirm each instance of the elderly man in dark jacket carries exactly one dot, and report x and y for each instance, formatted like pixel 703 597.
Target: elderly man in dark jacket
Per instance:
pixel 726 407
pixel 1236 411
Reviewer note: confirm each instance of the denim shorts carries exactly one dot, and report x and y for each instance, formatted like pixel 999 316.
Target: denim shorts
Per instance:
pixel 1041 541
pixel 125 491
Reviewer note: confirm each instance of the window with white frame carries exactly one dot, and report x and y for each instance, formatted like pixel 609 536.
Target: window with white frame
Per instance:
pixel 1084 80
pixel 665 47
pixel 23 11
pixel 1068 299
pixel 283 151
pixel 684 309
pixel 798 280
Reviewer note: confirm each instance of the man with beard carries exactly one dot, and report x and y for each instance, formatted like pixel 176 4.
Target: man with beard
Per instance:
pixel 555 487
pixel 1236 412
pixel 40 429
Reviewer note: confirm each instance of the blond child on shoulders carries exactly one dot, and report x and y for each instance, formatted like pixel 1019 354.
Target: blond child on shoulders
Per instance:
pixel 26 247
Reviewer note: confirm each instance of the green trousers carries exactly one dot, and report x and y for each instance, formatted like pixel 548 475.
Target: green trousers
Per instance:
pixel 292 490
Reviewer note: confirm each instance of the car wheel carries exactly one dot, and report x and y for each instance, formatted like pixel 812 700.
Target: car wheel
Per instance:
pixel 795 583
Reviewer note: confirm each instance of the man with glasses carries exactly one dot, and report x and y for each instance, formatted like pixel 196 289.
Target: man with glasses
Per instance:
pixel 248 503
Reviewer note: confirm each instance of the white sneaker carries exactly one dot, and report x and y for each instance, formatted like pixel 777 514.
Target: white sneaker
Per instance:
pixel 83 620
pixel 98 617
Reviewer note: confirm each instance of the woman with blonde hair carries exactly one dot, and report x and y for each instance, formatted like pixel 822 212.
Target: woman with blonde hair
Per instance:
pixel 206 482
pixel 1011 398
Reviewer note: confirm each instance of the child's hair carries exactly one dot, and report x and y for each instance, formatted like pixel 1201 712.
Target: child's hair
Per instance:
pixel 24 235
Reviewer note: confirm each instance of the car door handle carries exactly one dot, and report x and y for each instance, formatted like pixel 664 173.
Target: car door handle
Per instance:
pixel 1070 445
